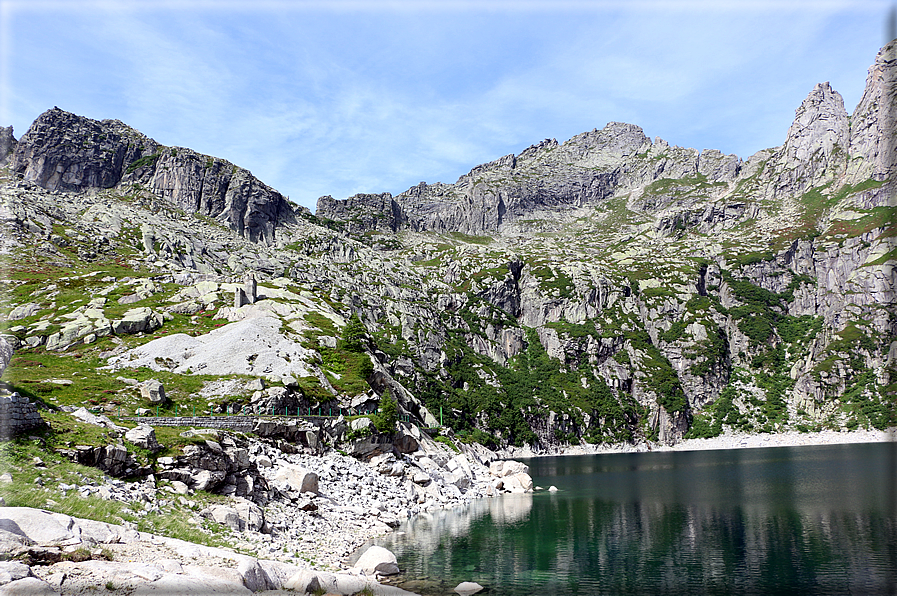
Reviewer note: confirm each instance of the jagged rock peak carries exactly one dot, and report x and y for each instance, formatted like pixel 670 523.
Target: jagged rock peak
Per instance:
pixel 617 138
pixel 820 123
pixel 873 124
pixel 507 162
pixel 820 148
pixel 547 175
pixel 64 151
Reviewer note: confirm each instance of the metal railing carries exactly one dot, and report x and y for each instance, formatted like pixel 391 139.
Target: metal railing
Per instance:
pixel 258 412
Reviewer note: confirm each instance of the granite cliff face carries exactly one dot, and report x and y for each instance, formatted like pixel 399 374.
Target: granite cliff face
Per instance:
pixel 63 151
pixel 609 288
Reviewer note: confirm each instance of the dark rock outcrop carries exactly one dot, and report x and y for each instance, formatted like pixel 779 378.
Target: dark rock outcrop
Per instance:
pixel 64 151
pixel 112 459
pixel 7 144
pixel 363 212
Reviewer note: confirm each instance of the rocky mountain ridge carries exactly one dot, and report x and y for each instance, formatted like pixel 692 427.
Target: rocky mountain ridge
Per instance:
pixel 606 289
pixel 596 165
pixel 62 151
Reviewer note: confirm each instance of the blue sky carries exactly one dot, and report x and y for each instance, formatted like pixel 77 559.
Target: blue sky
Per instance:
pixel 343 97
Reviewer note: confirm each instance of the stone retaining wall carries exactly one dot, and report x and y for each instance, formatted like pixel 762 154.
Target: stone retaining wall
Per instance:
pixel 17 415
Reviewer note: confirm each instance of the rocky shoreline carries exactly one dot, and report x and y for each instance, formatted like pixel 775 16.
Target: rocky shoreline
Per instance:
pixel 727 440
pixel 293 517
pixel 320 510
pixel 786 439
pixel 58 554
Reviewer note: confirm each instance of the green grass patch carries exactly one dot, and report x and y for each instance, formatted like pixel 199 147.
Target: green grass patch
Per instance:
pixel 575 330
pixel 325 324
pixel 889 256
pixel 553 280
pixel 448 442
pixel 17 457
pixel 145 161
pixel 877 217
pixel 681 187
pixel 32 372
pixel 818 200
pixel 471 239
pixel 660 292
pixel 353 369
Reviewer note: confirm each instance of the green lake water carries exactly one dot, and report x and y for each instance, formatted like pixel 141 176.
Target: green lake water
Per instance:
pixel 783 520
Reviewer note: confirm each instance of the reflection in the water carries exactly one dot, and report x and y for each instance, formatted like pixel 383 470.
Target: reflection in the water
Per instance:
pixel 807 521
pixel 430 530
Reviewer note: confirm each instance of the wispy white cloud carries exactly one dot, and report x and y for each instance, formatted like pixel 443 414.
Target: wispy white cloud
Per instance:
pixel 340 97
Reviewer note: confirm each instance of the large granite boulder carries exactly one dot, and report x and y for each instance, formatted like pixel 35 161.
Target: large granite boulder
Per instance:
pixel 153 391
pixel 377 559
pixel 143 436
pixel 296 479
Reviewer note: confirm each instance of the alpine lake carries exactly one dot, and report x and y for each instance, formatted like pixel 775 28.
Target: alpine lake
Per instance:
pixel 782 520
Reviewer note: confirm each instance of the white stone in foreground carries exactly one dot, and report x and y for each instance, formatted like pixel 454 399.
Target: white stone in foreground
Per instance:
pixel 30 586
pixel 41 527
pixel 377 559
pixel 11 571
pixel 466 588
pixel 206 581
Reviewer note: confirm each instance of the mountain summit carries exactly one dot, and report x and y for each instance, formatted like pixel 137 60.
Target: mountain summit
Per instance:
pixel 63 151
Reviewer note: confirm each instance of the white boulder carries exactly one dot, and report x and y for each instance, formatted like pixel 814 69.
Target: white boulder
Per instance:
pixel 29 586
pixel 143 436
pixel 377 559
pixel 503 468
pixel 153 391
pixel 297 479
pixel 303 582
pixel 38 526
pixel 467 588
pixel 11 571
pixel 226 516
